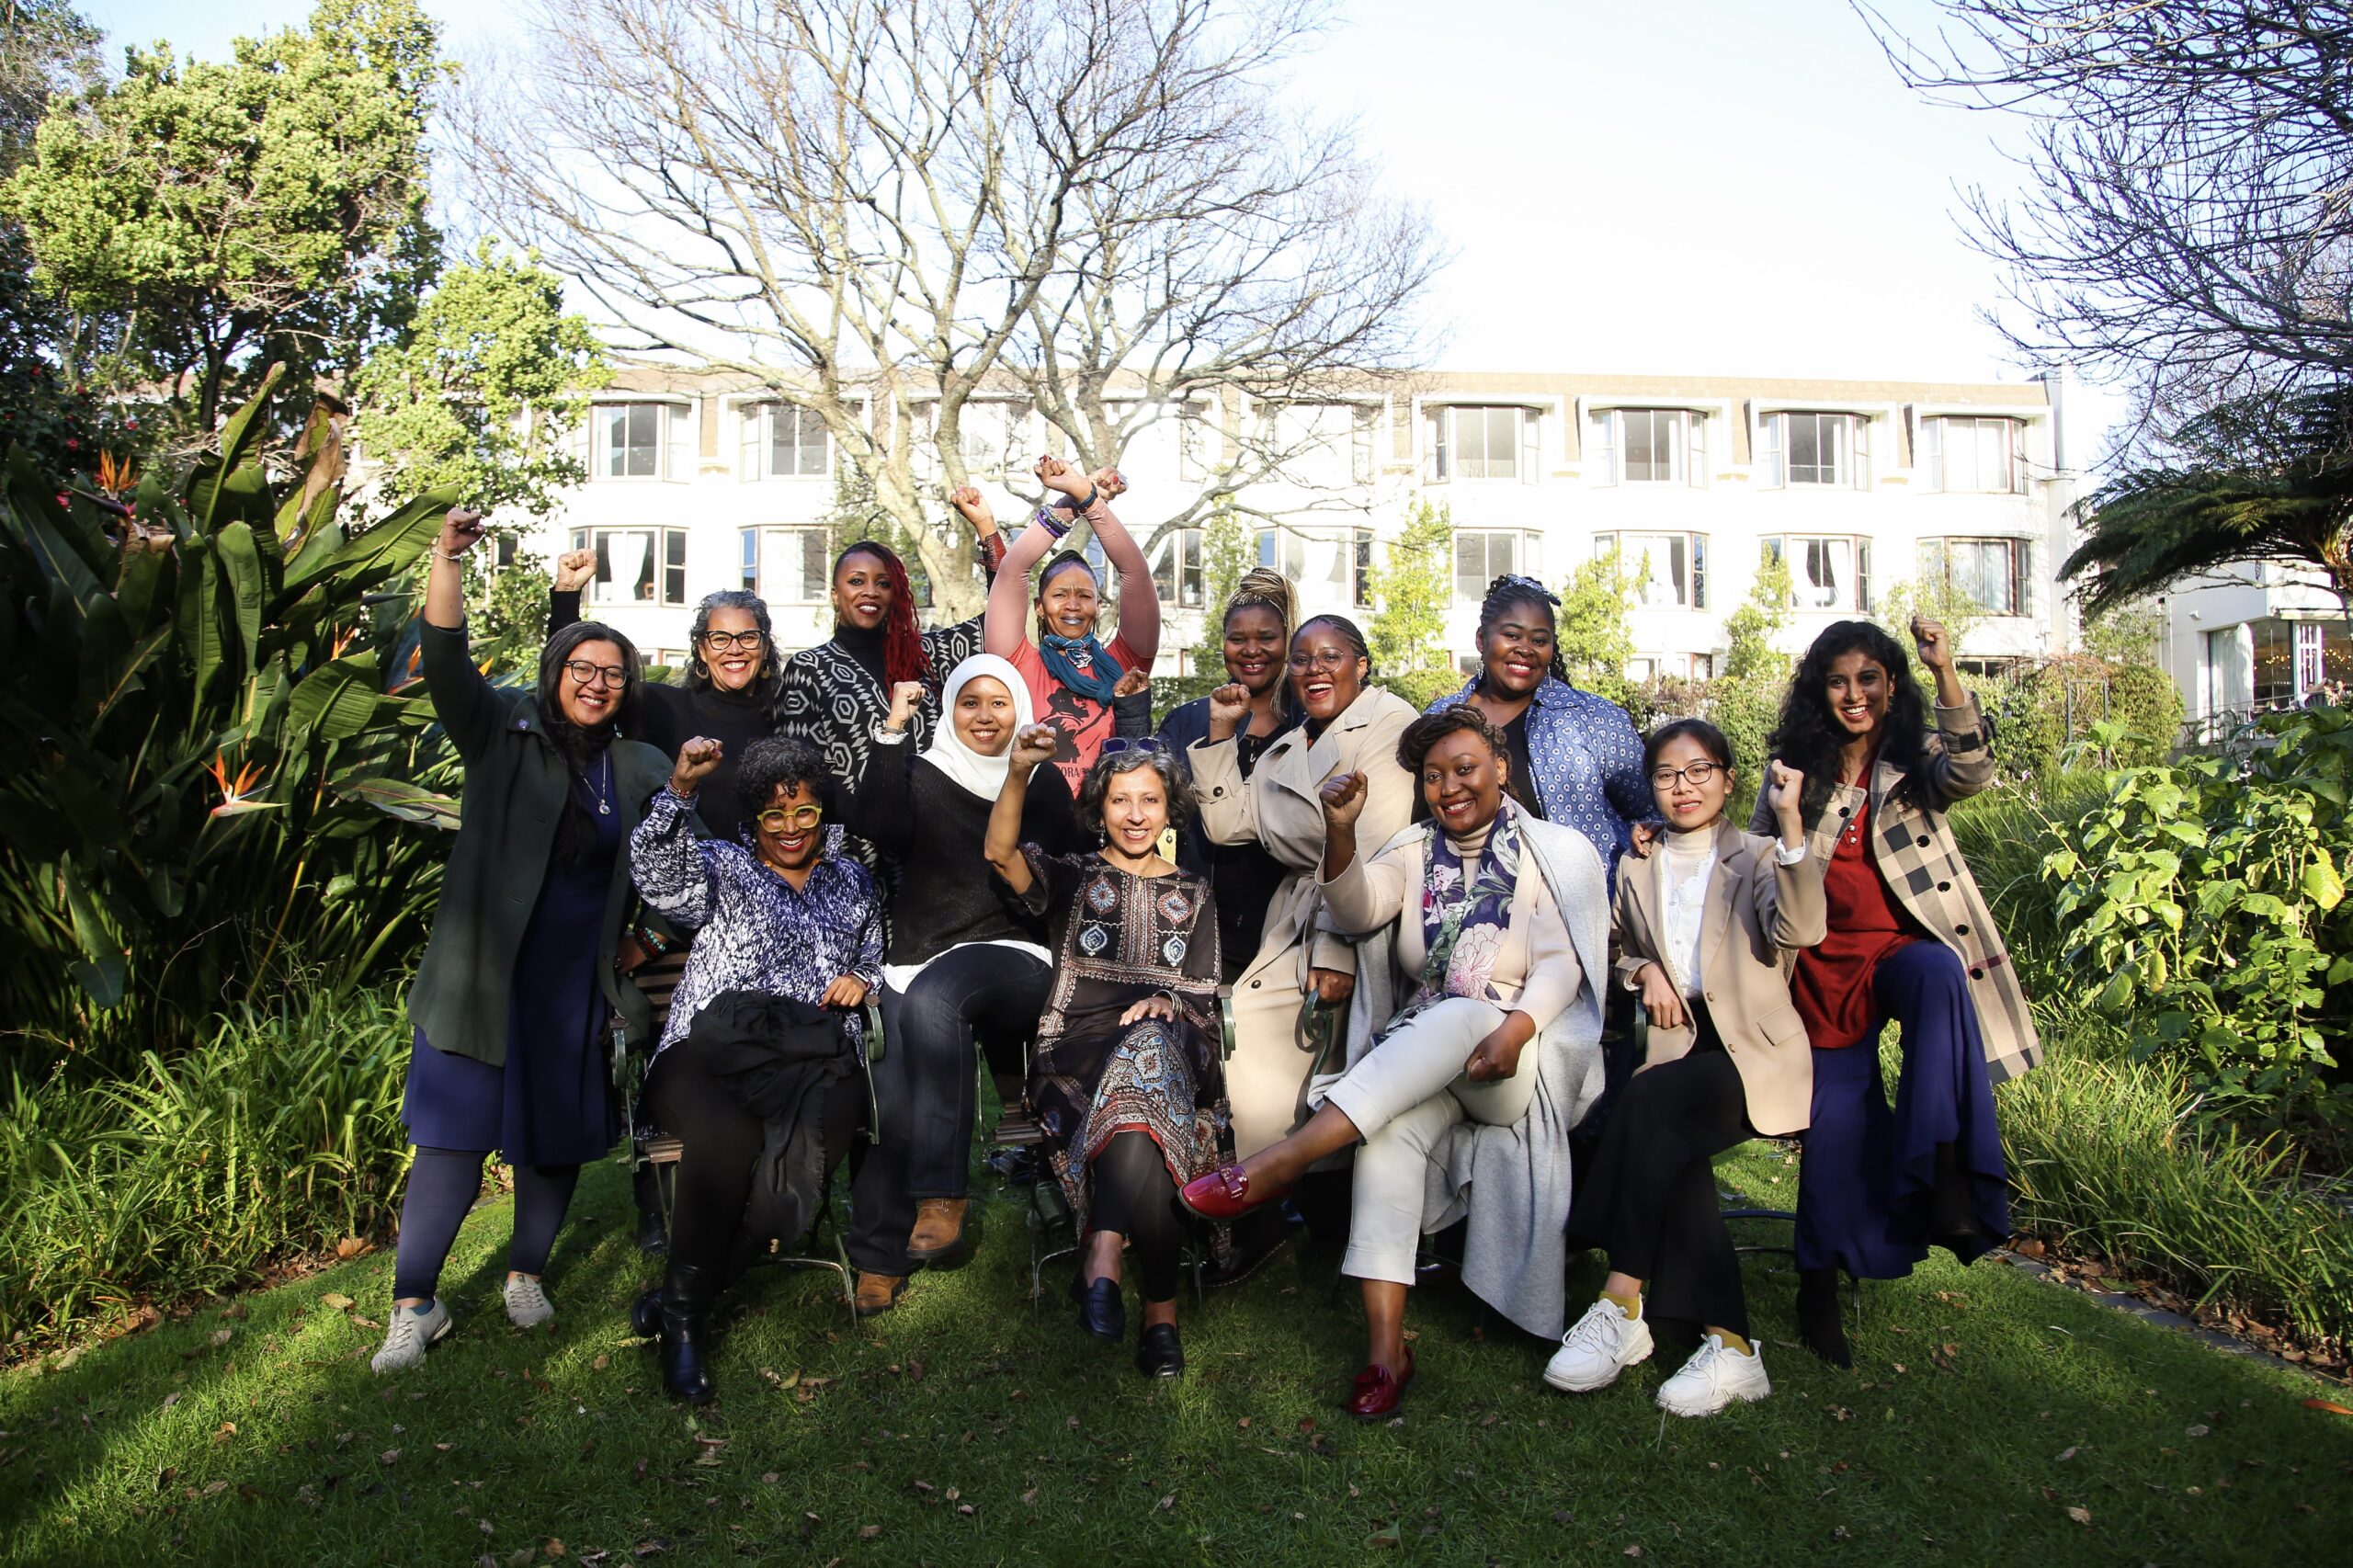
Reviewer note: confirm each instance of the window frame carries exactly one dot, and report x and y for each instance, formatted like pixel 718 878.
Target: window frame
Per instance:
pixel 1525 550
pixel 1690 584
pixel 1522 424
pixel 1774 455
pixel 1181 548
pixel 600 446
pixel 666 565
pixel 1859 560
pixel 756 442
pixel 1938 549
pixel 761 570
pixel 1933 457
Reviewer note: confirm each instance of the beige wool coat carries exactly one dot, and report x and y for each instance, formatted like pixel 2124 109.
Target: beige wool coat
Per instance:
pixel 1758 912
pixel 1912 845
pixel 1266 1078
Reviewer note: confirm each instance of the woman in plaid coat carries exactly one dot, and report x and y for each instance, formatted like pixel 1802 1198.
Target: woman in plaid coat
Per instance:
pixel 1911 942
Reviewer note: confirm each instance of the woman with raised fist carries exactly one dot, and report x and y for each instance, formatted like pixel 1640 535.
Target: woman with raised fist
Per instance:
pixel 518 976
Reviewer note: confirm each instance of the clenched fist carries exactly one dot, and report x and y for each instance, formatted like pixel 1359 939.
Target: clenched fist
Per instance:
pixel 697 760
pixel 574 570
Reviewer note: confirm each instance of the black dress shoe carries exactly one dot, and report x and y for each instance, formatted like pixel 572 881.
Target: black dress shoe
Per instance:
pixel 687 1295
pixel 1161 1354
pixel 1102 1311
pixel 646 1314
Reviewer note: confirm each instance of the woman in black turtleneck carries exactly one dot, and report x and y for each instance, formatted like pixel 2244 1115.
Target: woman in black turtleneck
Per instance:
pixel 732 680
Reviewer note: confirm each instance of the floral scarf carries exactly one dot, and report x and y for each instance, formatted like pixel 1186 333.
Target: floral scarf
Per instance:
pixel 1464 919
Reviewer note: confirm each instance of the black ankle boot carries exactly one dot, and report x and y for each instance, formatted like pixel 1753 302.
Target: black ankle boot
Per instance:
pixel 1819 1324
pixel 645 1313
pixel 687 1295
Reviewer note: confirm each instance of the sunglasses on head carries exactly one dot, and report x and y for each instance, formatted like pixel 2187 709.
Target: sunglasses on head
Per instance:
pixel 1146 744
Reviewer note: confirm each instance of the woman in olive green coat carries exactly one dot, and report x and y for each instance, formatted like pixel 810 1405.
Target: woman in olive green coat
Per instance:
pixel 511 1002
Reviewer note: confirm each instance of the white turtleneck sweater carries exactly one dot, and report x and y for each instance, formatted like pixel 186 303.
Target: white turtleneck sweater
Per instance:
pixel 1687 864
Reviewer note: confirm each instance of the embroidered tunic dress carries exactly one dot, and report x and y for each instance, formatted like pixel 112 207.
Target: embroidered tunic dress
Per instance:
pixel 1118 939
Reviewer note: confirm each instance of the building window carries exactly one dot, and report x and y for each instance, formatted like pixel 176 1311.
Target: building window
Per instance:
pixel 1825 574
pixel 1481 558
pixel 628 440
pixel 781 440
pixel 636 567
pixel 1283 550
pixel 1319 444
pixel 2228 682
pixel 1982 456
pixel 787 566
pixel 2275 662
pixel 1989 573
pixel 1198 449
pixel 1360 549
pixel 1484 443
pixel 1817 449
pixel 1650 446
pixel 987 435
pixel 1670 571
pixel 1177 568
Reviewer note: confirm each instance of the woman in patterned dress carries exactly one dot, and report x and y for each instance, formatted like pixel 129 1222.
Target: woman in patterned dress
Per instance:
pixel 1123 1077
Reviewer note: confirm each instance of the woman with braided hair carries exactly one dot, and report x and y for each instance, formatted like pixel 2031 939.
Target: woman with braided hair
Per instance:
pixel 1257 630
pixel 1576 759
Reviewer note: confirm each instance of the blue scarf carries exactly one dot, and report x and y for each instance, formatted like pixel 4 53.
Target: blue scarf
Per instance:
pixel 1463 920
pixel 1080 664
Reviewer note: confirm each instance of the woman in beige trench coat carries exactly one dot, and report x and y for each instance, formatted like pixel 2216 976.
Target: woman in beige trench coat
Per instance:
pixel 1351 727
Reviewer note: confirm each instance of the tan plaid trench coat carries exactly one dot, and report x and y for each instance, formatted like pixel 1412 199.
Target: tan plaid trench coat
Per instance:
pixel 1912 844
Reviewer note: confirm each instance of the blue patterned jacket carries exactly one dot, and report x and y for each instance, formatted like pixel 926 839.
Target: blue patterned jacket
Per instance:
pixel 1588 760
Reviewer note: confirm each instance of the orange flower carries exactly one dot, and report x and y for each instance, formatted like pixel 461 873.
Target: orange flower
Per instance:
pixel 233 791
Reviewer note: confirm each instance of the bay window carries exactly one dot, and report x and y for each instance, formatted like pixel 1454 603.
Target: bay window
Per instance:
pixel 1670 571
pixel 1989 573
pixel 636 567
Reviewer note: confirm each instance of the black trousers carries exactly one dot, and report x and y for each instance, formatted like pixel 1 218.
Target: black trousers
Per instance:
pixel 1650 1200
pixel 442 1186
pixel 982 996
pixel 720 1143
pixel 1135 1196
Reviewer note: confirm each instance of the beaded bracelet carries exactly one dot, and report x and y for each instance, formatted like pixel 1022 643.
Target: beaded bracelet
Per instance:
pixel 1044 517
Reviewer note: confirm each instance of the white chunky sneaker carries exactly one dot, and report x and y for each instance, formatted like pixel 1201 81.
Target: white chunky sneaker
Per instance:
pixel 526 1305
pixel 1602 1344
pixel 1713 1378
pixel 412 1329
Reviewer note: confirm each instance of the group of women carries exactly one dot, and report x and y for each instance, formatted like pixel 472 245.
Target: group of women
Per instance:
pixel 1303 938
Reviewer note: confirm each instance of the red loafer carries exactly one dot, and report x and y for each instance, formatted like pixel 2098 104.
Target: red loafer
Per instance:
pixel 1224 1194
pixel 1377 1390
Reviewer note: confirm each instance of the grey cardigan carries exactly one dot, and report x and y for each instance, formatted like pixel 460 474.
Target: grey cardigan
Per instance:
pixel 1517 1249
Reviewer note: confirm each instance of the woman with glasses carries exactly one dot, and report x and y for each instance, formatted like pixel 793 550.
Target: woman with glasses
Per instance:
pixel 1073 679
pixel 1577 757
pixel 1124 1075
pixel 1289 996
pixel 1474 1041
pixel 733 680
pixel 760 1041
pixel 518 978
pixel 967 966
pixel 1706 927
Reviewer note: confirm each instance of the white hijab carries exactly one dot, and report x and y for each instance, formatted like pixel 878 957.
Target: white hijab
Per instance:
pixel 983 776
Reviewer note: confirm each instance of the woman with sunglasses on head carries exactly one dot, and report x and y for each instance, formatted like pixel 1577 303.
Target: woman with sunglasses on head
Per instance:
pixel 1073 679
pixel 1706 925
pixel 967 965
pixel 1124 1076
pixel 1577 757
pixel 518 978
pixel 1911 942
pixel 757 1042
pixel 1474 1041
pixel 1292 989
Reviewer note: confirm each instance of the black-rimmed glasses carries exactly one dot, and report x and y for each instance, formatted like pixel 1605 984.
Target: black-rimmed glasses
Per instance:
pixel 728 641
pixel 1694 773
pixel 582 673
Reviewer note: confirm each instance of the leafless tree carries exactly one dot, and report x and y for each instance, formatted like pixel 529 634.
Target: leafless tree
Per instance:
pixel 2188 229
pixel 880 208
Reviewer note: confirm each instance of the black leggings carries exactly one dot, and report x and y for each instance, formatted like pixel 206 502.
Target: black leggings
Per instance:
pixel 442 1184
pixel 927 1088
pixel 719 1150
pixel 1135 1196
pixel 1650 1199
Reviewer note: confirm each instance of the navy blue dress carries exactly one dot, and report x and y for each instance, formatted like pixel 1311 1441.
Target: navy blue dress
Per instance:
pixel 552 1104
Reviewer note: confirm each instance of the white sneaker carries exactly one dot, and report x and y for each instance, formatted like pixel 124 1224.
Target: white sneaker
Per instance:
pixel 1713 1378
pixel 412 1329
pixel 1602 1344
pixel 526 1305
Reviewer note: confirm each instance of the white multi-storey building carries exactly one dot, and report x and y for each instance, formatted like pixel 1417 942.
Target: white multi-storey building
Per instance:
pixel 2266 640
pixel 1857 485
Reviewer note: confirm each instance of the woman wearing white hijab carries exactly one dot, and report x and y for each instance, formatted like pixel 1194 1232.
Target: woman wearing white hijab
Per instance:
pixel 965 964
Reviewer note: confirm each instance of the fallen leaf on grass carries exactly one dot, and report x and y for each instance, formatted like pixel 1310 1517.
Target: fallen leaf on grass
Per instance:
pixel 2329 1405
pixel 2081 1516
pixel 2068 1455
pixel 1167 1503
pixel 173 1398
pixel 2197 1431
pixel 600 1363
pixel 365 1322
pixel 350 1247
pixel 390 1456
pixel 222 1336
pixel 867 1532
pixel 552 1547
pixel 226 1430
pixel 522 1559
pixel 1030 1496
pixel 337 1300
pixel 769 1478
pixel 1383 1538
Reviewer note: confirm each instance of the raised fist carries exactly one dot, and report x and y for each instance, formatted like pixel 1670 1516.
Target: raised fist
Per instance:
pixel 696 760
pixel 907 697
pixel 574 570
pixel 1343 797
pixel 1034 744
pixel 1933 641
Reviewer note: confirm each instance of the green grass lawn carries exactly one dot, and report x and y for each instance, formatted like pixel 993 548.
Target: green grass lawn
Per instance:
pixel 1990 1417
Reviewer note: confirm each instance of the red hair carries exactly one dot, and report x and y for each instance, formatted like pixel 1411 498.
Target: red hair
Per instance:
pixel 903 654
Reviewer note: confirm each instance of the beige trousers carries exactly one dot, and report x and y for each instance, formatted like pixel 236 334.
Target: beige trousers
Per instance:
pixel 1403 1097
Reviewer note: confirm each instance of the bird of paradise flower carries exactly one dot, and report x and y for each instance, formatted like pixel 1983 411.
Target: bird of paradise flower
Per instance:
pixel 237 793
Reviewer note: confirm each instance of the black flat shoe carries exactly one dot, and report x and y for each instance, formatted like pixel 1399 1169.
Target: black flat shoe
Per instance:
pixel 1102 1311
pixel 1161 1354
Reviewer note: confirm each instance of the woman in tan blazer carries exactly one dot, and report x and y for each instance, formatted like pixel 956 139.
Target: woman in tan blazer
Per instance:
pixel 1706 923
pixel 1350 727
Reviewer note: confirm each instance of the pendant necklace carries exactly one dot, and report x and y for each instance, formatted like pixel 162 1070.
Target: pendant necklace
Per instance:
pixel 601 786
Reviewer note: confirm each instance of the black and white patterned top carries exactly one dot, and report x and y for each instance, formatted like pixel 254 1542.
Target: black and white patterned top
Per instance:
pixel 758 932
pixel 834 702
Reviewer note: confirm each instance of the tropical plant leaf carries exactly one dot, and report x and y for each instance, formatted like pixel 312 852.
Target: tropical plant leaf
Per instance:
pixel 371 558
pixel 228 483
pixel 396 797
pixel 241 568
pixel 336 701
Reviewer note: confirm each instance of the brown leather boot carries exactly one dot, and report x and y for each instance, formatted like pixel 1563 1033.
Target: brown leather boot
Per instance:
pixel 877 1293
pixel 939 1228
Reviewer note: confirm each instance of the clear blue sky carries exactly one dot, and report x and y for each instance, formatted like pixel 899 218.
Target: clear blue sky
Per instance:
pixel 1715 187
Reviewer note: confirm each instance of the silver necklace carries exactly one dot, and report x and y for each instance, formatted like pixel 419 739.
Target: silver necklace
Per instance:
pixel 601 783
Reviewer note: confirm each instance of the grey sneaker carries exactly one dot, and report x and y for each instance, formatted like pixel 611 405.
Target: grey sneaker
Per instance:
pixel 526 1305
pixel 412 1329
pixel 1599 1346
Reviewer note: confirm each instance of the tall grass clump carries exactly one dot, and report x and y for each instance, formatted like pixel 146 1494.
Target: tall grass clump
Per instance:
pixel 277 1132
